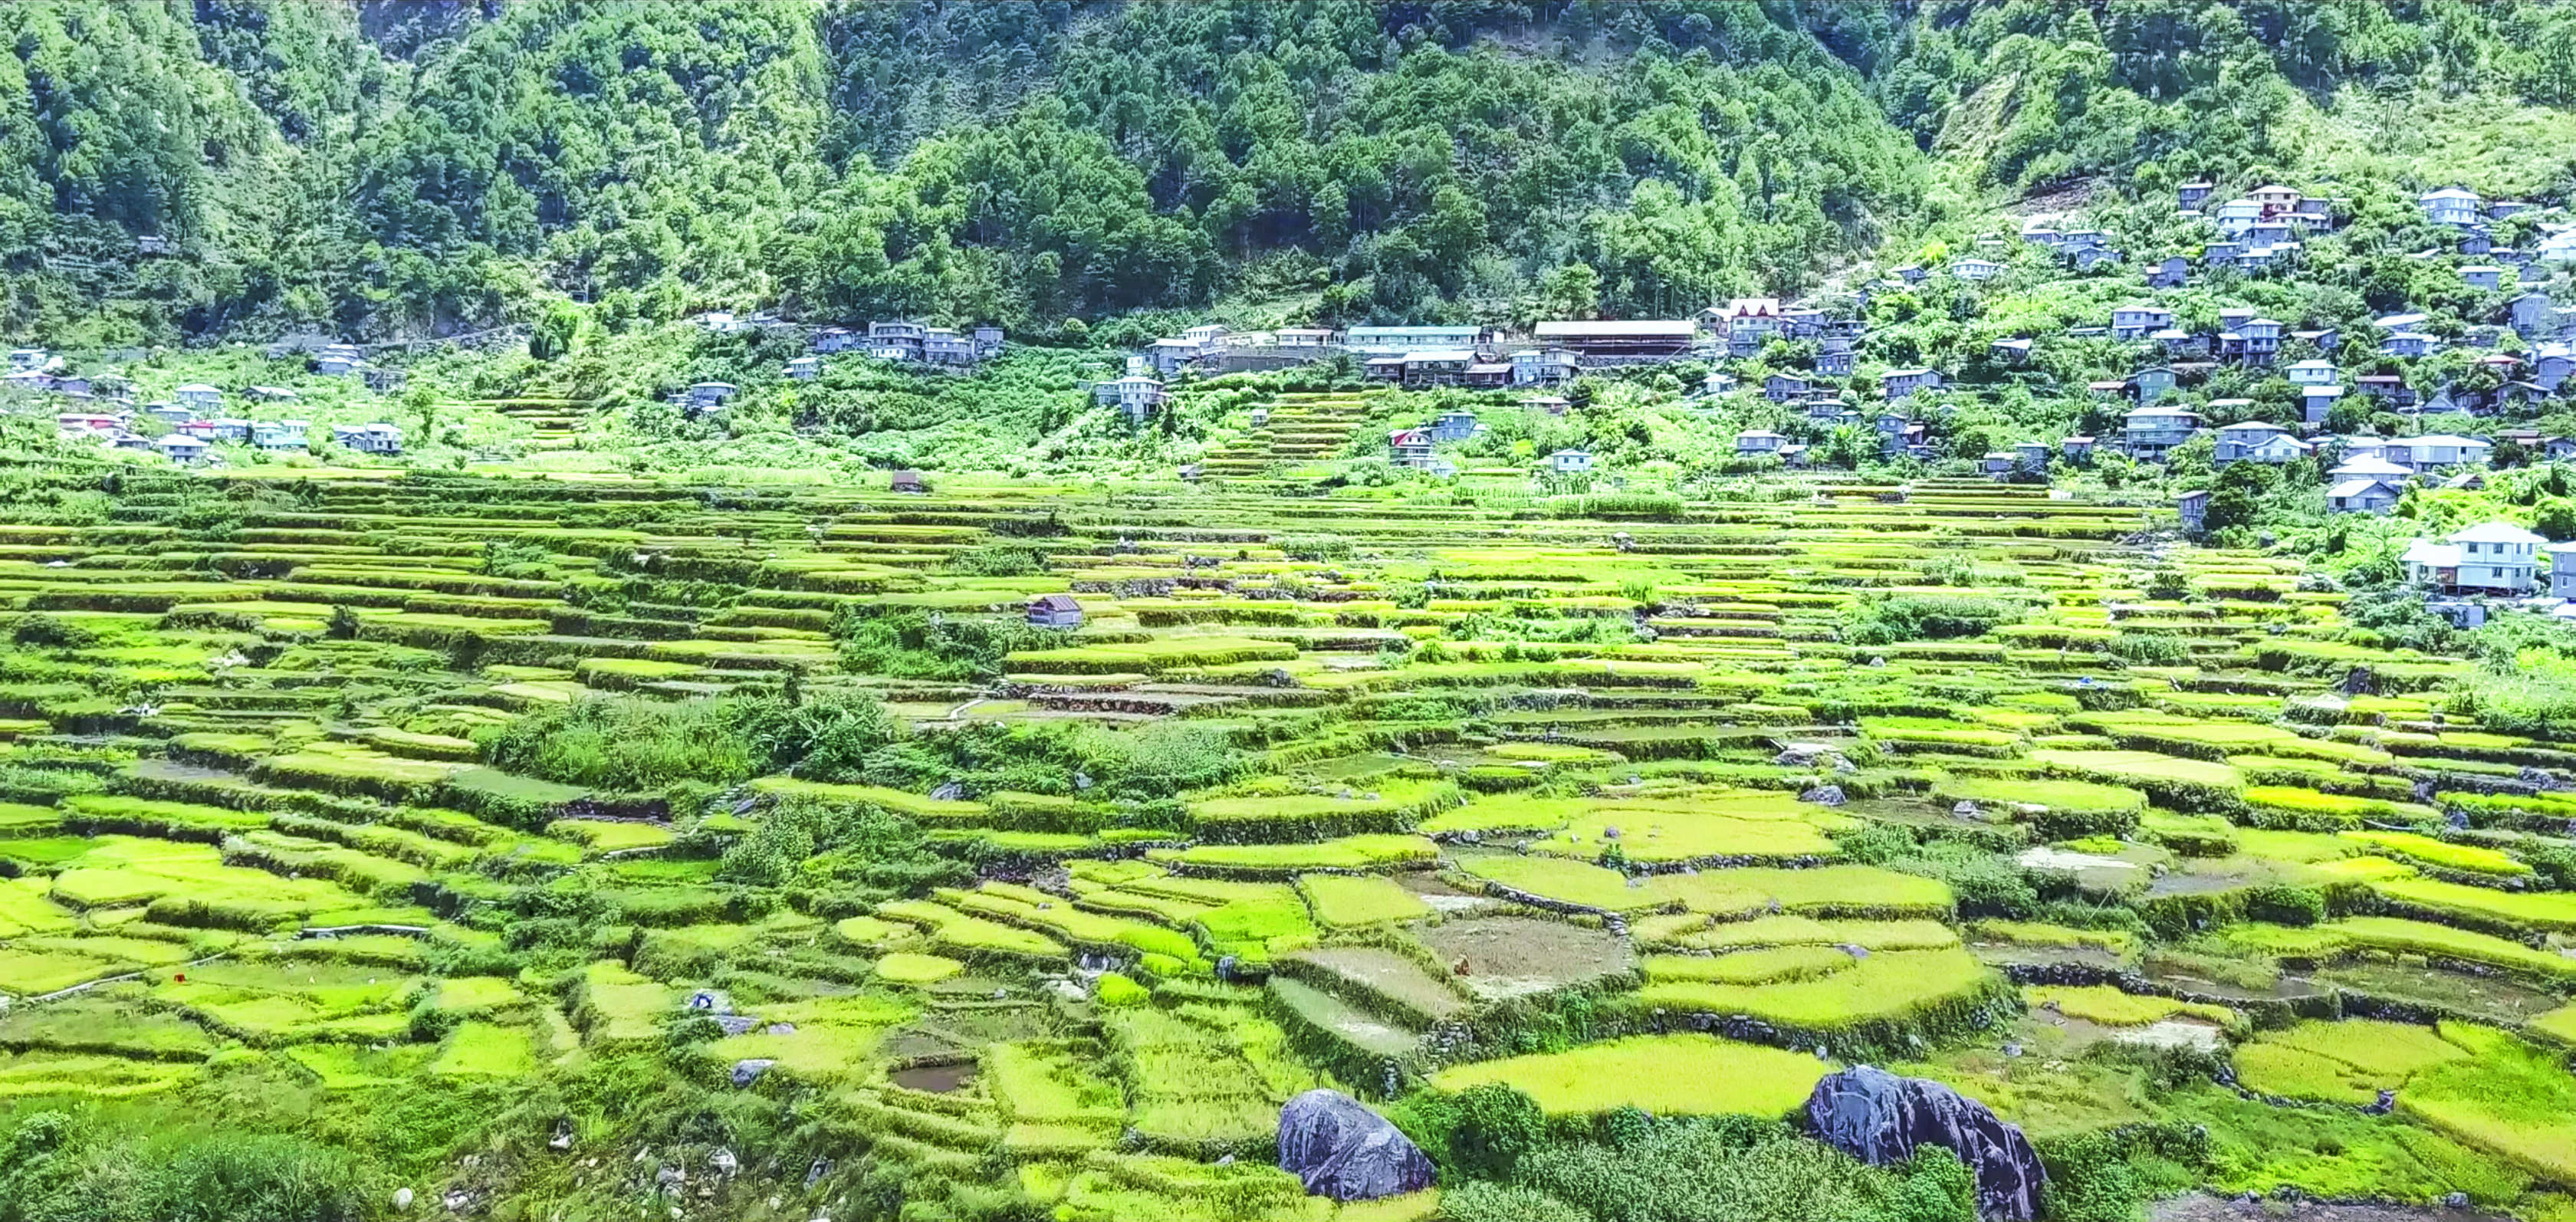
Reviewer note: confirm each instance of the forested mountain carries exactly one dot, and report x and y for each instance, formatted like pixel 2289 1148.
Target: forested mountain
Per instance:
pixel 395 168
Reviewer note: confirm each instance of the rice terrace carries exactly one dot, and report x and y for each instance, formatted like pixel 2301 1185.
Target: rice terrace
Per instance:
pixel 1217 611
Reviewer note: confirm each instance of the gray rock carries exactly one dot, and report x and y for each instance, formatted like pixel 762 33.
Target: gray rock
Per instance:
pixel 736 1024
pixel 2456 1200
pixel 402 1198
pixel 1340 1149
pixel 746 1072
pixel 1880 1118
pixel 1824 795
pixel 1965 809
pixel 723 1161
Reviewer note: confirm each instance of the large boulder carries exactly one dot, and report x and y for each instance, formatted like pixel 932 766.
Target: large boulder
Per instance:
pixel 1880 1118
pixel 1341 1149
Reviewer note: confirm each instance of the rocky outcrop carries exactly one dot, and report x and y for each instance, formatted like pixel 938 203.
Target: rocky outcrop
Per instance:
pixel 1340 1149
pixel 1880 1118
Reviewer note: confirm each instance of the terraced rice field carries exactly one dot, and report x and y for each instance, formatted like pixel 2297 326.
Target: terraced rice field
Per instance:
pixel 1615 813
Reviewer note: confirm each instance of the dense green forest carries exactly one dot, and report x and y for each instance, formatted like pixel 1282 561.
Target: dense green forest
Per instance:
pixel 384 169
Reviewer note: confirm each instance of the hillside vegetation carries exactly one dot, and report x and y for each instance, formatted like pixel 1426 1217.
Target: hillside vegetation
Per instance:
pixel 382 170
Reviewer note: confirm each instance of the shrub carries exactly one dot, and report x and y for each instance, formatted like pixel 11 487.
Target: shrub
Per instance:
pixel 625 744
pixel 1920 617
pixel 1493 1126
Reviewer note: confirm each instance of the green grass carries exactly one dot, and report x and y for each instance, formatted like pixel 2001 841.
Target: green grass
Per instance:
pixel 906 968
pixel 1673 1075
pixel 1342 901
pixel 2542 910
pixel 2111 1007
pixel 1770 965
pixel 2340 1062
pixel 2468 858
pixel 1378 852
pixel 2503 1095
pixel 2399 936
pixel 485 1050
pixel 968 936
pixel 1892 986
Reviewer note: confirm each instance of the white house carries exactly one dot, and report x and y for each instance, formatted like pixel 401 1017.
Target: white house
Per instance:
pixel 2562 570
pixel 2137 321
pixel 805 368
pixel 369 438
pixel 1753 442
pixel 2150 431
pixel 2434 451
pixel 1136 394
pixel 2311 372
pixel 1974 269
pixel 2407 343
pixel 2363 496
pixel 2452 206
pixel 2236 441
pixel 2496 556
pixel 2485 276
pixel 1569 462
pixel 198 396
pixel 181 448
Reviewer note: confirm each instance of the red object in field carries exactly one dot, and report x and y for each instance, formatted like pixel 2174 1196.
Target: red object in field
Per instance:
pixel 181 977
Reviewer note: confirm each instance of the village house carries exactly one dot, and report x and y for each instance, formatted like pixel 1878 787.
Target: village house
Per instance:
pixel 2190 195
pixel 836 339
pixel 1487 375
pixel 2534 315
pixel 2363 495
pixel 2370 465
pixel 2387 389
pixel 2031 455
pixel 1400 341
pixel 907 481
pixel 1453 426
pixel 1055 611
pixel 1543 367
pixel 2435 451
pixel 1437 367
pixel 1570 462
pixel 2237 442
pixel 805 368
pixel 2194 508
pixel 2484 276
pixel 2221 254
pixel 2151 384
pixel 2262 340
pixel 2451 206
pixel 338 360
pixel 2317 403
pixel 1999 463
pixel 2274 197
pixel 1835 357
pixel 2010 351
pixel 1628 342
pixel 376 438
pixel 2077 448
pixel 2150 431
pixel 181 448
pixel 1975 269
pixel 2137 321
pixel 1137 394
pixel 1755 442
pixel 2407 344
pixel 198 397
pixel 1903 383
pixel 1716 382
pixel 1409 447
pixel 2236 216
pixel 2497 557
pixel 1783 387
pixel 2172 272
pixel 2310 373
pixel 2562 570
pixel 281 436
pixel 1760 317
